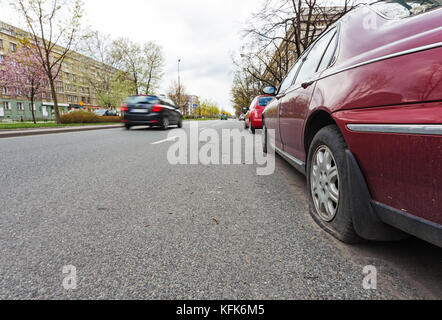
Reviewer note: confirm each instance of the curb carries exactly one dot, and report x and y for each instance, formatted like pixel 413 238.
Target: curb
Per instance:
pixel 34 132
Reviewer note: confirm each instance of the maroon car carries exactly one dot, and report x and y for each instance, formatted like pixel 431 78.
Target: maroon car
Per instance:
pixel 360 113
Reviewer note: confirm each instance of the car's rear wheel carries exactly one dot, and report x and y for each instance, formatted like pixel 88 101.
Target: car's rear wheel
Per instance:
pixel 165 125
pixel 252 129
pixel 264 137
pixel 329 193
pixel 127 126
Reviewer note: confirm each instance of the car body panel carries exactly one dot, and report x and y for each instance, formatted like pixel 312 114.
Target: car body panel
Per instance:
pixel 403 170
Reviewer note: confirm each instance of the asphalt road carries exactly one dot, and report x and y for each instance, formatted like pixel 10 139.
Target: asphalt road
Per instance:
pixel 135 227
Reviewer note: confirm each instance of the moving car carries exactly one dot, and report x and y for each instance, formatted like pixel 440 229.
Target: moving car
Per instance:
pixel 253 118
pixel 360 113
pixel 106 113
pixel 151 111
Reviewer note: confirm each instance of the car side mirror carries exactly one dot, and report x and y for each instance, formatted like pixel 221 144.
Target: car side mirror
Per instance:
pixel 270 90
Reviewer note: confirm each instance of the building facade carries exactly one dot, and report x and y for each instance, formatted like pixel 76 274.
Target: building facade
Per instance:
pixel 74 84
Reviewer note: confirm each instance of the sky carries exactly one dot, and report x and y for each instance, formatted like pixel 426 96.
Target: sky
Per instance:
pixel 202 33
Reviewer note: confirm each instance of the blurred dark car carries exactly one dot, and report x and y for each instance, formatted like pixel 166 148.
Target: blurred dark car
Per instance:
pixel 151 111
pixel 106 113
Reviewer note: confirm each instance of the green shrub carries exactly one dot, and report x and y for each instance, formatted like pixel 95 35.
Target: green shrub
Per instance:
pixel 86 117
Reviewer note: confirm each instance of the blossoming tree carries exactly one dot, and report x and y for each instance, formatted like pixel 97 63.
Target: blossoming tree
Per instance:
pixel 23 75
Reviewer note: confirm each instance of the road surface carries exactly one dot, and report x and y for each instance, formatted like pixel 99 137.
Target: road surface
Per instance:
pixel 135 227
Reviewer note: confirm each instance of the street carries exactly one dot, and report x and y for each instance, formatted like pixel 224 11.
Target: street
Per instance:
pixel 135 227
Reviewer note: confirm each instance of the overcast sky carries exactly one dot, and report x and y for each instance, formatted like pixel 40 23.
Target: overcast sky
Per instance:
pixel 202 33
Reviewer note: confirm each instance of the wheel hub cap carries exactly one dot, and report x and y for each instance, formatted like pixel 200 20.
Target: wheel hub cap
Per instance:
pixel 325 184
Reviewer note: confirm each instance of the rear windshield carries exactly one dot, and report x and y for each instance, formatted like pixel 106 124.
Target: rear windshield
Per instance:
pixel 142 100
pixel 398 9
pixel 263 102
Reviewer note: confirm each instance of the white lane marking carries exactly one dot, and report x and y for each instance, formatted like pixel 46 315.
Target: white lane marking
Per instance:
pixel 166 140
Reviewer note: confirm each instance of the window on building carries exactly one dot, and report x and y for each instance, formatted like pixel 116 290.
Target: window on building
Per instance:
pixel 20 106
pixel 5 90
pixel 1 57
pixel 75 99
pixel 59 86
pixel 1 44
pixel 18 92
pixel 6 105
pixel 31 106
pixel 13 47
pixel 69 98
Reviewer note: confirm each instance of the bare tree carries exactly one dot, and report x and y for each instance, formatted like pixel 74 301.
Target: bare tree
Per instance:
pixel 153 68
pixel 130 59
pixel 98 47
pixel 176 92
pixel 282 30
pixel 53 26
pixel 144 63
pixel 244 89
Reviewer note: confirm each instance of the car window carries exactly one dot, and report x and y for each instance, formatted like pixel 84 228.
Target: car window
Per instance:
pixel 142 100
pixel 329 53
pixel 264 101
pixel 399 9
pixel 290 77
pixel 314 56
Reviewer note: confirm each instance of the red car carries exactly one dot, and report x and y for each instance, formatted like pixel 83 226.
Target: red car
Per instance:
pixel 360 113
pixel 253 119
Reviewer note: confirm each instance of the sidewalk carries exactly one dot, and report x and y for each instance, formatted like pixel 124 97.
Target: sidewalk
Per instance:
pixel 10 133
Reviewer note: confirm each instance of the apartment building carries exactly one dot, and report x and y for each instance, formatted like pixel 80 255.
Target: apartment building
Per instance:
pixel 74 85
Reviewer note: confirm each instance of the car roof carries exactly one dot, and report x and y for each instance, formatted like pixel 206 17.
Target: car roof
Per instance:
pixel 383 36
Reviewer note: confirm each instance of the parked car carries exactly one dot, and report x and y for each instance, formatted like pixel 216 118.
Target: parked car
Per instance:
pixel 106 113
pixel 242 117
pixel 151 111
pixel 360 113
pixel 253 118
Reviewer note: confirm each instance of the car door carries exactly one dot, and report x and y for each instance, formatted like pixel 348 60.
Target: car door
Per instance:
pixel 272 112
pixel 295 101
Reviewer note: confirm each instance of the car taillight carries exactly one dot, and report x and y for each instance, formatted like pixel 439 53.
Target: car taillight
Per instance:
pixel 124 109
pixel 157 108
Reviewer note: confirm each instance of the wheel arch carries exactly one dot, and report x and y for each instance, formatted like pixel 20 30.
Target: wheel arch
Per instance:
pixel 317 120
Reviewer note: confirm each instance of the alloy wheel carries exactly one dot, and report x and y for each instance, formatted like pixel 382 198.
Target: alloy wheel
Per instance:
pixel 325 183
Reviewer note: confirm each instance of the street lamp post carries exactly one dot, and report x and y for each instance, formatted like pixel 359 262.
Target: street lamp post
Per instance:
pixel 179 85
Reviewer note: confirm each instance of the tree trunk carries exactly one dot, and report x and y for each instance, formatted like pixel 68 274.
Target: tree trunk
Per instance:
pixel 54 98
pixel 32 108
